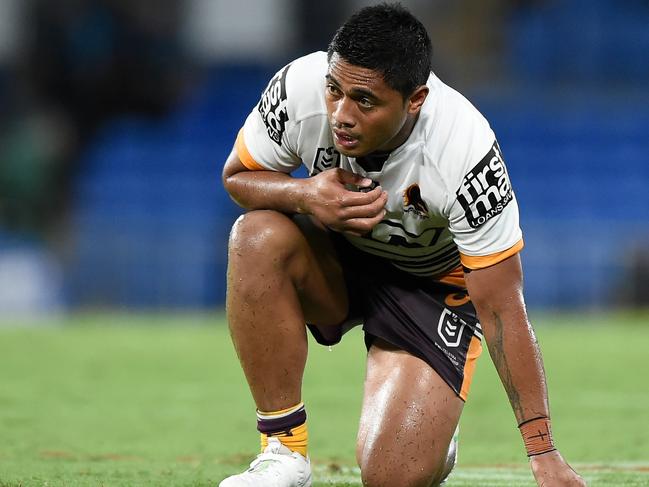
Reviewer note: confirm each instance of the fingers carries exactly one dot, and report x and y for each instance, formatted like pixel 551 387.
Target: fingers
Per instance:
pixel 368 210
pixel 356 198
pixel 347 177
pixel 352 212
pixel 359 219
pixel 333 185
pixel 551 469
pixel 361 226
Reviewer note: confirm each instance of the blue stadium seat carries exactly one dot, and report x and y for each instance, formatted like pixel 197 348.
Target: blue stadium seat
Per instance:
pixel 582 40
pixel 151 218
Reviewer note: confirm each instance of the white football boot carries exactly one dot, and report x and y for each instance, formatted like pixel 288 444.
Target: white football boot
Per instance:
pixel 451 456
pixel 276 466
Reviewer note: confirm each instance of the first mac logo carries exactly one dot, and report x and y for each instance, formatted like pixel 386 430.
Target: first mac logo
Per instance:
pixel 272 106
pixel 485 190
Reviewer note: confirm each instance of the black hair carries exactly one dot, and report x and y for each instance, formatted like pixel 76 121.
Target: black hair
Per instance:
pixel 386 38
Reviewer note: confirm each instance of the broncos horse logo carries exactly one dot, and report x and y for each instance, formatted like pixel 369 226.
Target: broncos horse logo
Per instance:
pixel 413 202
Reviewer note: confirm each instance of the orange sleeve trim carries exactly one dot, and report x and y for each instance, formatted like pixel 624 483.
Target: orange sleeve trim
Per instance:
pixel 481 261
pixel 244 156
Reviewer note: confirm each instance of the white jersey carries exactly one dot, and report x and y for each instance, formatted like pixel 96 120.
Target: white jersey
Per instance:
pixel 449 194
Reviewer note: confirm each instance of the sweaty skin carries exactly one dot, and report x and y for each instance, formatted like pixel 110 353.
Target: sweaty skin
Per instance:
pixel 497 293
pixel 282 274
pixel 408 412
pixel 365 114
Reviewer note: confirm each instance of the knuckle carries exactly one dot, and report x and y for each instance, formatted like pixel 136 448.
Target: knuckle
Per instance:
pixel 366 226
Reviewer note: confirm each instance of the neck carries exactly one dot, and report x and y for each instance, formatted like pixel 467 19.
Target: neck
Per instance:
pixel 401 136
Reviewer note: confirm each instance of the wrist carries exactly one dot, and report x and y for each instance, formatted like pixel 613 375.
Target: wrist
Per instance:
pixel 537 436
pixel 304 196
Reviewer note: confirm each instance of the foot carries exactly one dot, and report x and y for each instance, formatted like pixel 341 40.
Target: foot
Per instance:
pixel 276 466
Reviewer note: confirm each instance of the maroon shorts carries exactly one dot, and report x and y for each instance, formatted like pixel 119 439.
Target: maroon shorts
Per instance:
pixel 428 319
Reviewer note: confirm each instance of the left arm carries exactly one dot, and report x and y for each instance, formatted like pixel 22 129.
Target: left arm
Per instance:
pixel 497 293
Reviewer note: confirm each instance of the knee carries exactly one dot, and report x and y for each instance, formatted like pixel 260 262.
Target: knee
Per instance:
pixel 262 234
pixel 384 471
pixel 375 478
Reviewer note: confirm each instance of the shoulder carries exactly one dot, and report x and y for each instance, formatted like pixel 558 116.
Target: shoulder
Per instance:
pixel 296 91
pixel 454 120
pixel 307 73
pixel 457 135
pixel 305 85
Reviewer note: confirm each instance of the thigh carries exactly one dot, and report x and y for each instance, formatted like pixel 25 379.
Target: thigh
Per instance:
pixel 322 290
pixel 432 321
pixel 408 418
pixel 288 262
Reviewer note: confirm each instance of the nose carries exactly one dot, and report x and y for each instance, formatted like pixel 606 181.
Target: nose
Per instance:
pixel 342 115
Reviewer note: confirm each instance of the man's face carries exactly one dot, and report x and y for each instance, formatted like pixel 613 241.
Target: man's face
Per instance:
pixel 365 114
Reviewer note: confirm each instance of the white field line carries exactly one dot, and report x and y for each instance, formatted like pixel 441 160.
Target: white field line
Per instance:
pixel 492 476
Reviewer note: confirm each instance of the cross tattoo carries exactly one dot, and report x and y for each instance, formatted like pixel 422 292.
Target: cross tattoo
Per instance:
pixel 541 435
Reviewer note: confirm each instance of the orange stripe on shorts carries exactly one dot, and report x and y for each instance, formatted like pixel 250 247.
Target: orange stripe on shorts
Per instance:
pixel 472 354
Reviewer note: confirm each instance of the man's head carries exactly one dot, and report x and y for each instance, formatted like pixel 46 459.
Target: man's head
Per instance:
pixel 379 61
pixel 388 39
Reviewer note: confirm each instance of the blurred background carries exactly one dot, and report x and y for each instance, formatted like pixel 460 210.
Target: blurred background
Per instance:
pixel 116 117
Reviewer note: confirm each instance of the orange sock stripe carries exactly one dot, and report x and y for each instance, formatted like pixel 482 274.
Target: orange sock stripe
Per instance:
pixel 296 439
pixel 281 411
pixel 263 440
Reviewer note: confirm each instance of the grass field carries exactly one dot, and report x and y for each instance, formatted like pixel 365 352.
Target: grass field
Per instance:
pixel 121 400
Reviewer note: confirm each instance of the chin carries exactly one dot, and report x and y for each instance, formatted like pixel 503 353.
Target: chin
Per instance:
pixel 355 152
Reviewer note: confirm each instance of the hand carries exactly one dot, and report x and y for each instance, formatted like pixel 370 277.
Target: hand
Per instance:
pixel 340 209
pixel 551 470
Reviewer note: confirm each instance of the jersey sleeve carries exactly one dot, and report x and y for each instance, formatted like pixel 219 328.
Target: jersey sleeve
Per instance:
pixel 268 137
pixel 484 216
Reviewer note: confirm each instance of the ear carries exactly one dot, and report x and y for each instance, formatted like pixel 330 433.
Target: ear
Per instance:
pixel 416 100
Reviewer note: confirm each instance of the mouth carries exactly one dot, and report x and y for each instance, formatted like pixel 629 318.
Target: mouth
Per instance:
pixel 344 139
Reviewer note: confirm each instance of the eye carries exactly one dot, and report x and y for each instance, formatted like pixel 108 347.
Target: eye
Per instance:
pixel 365 102
pixel 333 89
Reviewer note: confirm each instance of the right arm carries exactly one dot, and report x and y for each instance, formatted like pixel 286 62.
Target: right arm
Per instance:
pixel 325 196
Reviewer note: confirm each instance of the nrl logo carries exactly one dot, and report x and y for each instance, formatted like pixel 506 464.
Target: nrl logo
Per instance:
pixel 325 158
pixel 413 202
pixel 450 328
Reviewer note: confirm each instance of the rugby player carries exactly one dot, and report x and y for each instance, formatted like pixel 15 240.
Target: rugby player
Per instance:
pixel 406 223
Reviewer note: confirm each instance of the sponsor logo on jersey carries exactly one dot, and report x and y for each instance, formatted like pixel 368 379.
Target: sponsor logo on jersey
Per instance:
pixel 325 158
pixel 413 202
pixel 450 328
pixel 273 106
pixel 485 190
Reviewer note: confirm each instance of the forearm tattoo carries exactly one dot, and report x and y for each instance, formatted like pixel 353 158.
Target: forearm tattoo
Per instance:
pixel 499 358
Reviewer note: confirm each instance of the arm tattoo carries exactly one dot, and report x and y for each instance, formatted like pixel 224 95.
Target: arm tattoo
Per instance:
pixel 499 358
